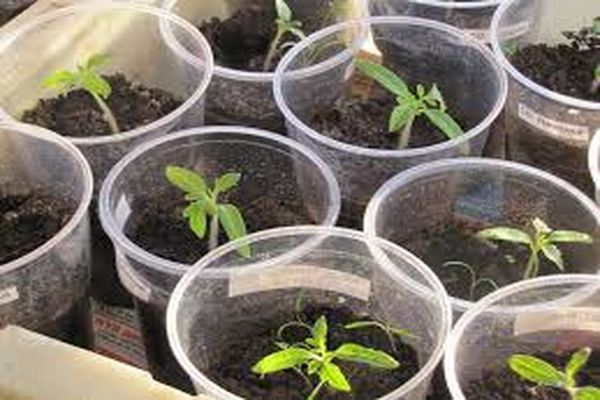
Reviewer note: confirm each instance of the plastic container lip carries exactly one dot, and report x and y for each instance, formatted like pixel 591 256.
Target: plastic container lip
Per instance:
pixel 381 153
pixel 593 161
pixel 459 4
pixel 84 203
pixel 450 371
pixel 207 64
pixel 446 165
pixel 395 274
pixel 522 79
pixel 134 251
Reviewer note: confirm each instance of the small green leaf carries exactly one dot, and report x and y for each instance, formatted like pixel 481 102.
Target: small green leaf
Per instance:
pixel 282 360
pixel 444 122
pixel 505 234
pixel 319 332
pixel 96 61
pixel 297 32
pixel 536 370
pixel 385 78
pixel 60 80
pixel 587 393
pixel 362 325
pixel 226 183
pixel 540 226
pixel 401 116
pixel 569 237
pixel 553 254
pixel 333 375
pixel 232 221
pixel 364 355
pixel 313 367
pixel 435 96
pixel 95 84
pixel 196 213
pixel 284 12
pixel 578 361
pixel 186 180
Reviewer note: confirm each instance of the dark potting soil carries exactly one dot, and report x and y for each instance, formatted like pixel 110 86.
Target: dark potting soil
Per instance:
pixel 232 369
pixel 76 113
pixel 8 13
pixel 29 220
pixel 364 123
pixel 502 383
pixel 564 68
pixel 161 229
pixel 457 241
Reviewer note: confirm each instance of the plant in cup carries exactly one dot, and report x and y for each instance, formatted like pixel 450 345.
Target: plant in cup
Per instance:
pixel 543 240
pixel 475 280
pixel 286 24
pixel 411 104
pixel 311 357
pixel 204 205
pixel 544 374
pixel 86 77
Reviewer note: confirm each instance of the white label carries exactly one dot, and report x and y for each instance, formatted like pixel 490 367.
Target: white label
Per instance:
pixel 553 127
pixel 9 295
pixel 562 319
pixel 300 276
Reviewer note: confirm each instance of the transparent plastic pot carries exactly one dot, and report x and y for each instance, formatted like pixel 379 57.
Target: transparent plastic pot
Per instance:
pixel 487 193
pixel 45 289
pixel 594 164
pixel 319 70
pixel 275 171
pixel 544 128
pixel 549 314
pixel 241 97
pixel 328 267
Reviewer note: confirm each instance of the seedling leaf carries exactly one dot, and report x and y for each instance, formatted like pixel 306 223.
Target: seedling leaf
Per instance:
pixel 578 361
pixel 320 333
pixel 284 12
pixel 96 61
pixel 333 375
pixel 505 234
pixel 444 122
pixel 359 354
pixel 569 237
pixel 536 370
pixel 197 219
pixel 587 393
pixel 282 360
pixel 553 254
pixel 385 78
pixel 185 179
pixel 232 221
pixel 401 116
pixel 60 80
pixel 226 182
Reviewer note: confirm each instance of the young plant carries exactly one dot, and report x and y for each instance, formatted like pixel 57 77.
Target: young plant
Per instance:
pixel 429 103
pixel 312 357
pixel 285 24
pixel 204 205
pixel 543 240
pixel 389 330
pixel 476 281
pixel 544 374
pixel 86 77
pixel 596 82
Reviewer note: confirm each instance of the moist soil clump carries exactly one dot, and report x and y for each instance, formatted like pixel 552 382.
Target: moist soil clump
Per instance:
pixel 232 369
pixel 29 220
pixel 502 383
pixel 363 123
pixel 76 114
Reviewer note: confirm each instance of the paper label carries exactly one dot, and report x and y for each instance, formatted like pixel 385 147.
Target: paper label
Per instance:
pixel 553 127
pixel 562 319
pixel 9 295
pixel 300 276
pixel 117 335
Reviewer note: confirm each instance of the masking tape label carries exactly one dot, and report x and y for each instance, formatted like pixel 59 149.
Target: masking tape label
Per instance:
pixel 551 126
pixel 562 319
pixel 9 295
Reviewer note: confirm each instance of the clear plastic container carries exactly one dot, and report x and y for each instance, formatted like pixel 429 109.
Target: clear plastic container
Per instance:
pixel 273 168
pixel 550 314
pixel 238 97
pixel 487 193
pixel 328 267
pixel 544 128
pixel 45 289
pixel 594 164
pixel 316 72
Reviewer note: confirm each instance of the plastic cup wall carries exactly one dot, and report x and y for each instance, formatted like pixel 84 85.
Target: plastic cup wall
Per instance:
pixel 594 164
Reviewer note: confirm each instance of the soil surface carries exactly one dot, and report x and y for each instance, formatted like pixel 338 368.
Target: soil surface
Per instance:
pixel 565 68
pixel 233 370
pixel 27 221
pixel 7 13
pixel 76 114
pixel 502 383
pixel 364 123
pixel 457 241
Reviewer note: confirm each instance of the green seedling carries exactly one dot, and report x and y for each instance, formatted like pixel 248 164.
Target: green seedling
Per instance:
pixel 86 77
pixel 544 240
pixel 311 357
pixel 429 103
pixel 476 281
pixel 286 24
pixel 204 205
pixel 544 374
pixel 596 82
pixel 391 332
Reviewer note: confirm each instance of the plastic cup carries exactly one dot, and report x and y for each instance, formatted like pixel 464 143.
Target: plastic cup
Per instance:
pixel 273 168
pixel 241 97
pixel 222 294
pixel 45 289
pixel 316 72
pixel 544 126
pixel 549 314
pixel 483 192
pixel 594 164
